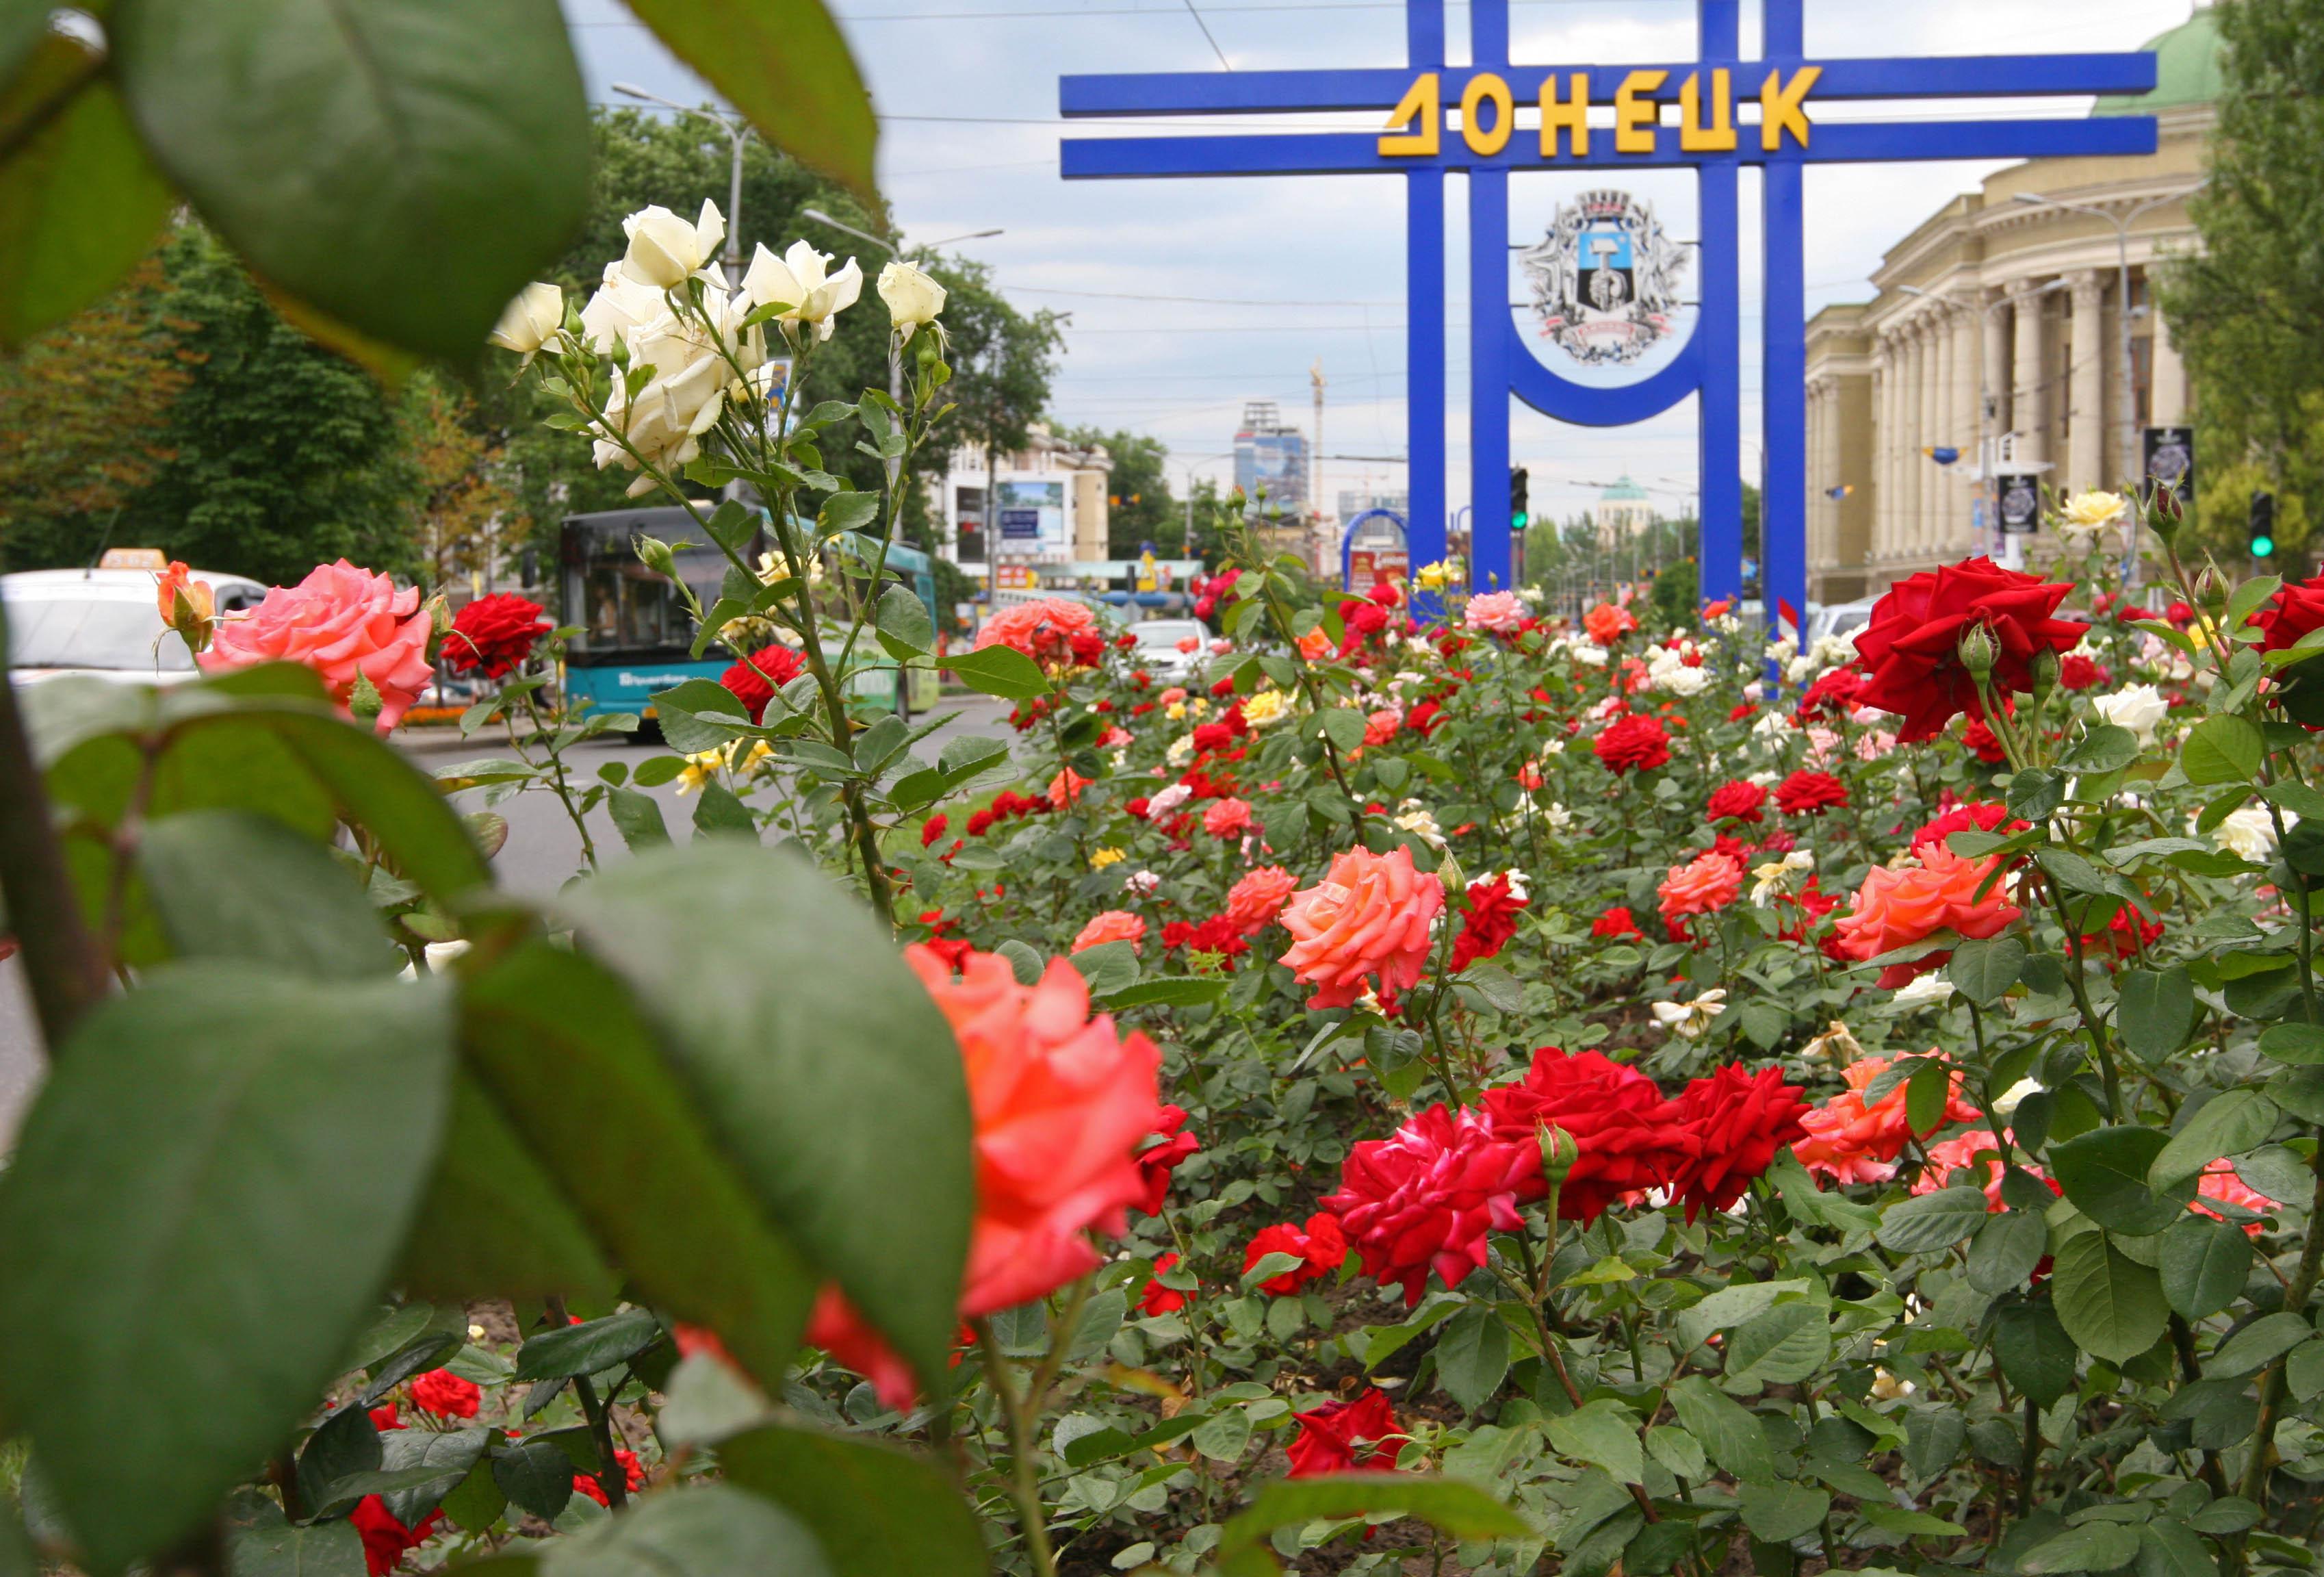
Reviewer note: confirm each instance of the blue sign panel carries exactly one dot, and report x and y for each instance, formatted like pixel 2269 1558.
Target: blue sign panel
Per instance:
pixel 1020 525
pixel 1712 136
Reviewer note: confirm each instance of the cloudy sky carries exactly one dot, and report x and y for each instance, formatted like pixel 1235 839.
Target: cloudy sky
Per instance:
pixel 1189 297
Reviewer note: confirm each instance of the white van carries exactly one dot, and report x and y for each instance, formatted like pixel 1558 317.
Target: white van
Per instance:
pixel 104 623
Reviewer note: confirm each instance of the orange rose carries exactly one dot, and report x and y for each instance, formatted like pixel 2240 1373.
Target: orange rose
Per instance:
pixel 1112 925
pixel 1895 909
pixel 1606 624
pixel 1703 886
pixel 1253 902
pixel 1851 1142
pixel 1369 916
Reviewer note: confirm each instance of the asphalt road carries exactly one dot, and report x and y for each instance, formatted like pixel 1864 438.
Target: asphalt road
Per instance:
pixel 543 853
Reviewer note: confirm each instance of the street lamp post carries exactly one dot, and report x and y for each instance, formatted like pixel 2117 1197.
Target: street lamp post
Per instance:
pixel 2122 223
pixel 738 131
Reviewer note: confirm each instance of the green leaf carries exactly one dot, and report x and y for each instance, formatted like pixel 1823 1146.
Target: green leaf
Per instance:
pixel 2204 1263
pixel 2105 748
pixel 2295 1044
pixel 229 884
pixel 1472 1355
pixel 2110 1305
pixel 1679 1451
pixel 1780 1513
pixel 560 1049
pixel 535 1475
pixel 1982 970
pixel 2225 749
pixel 1727 1431
pixel 713 1531
pixel 1787 1343
pixel 1933 1440
pixel 1343 726
pixel 1109 967
pixel 2157 1011
pixel 879 1512
pixel 401 167
pixel 2257 1345
pixel 204 1201
pixel 638 818
pixel 999 671
pixel 588 1348
pixel 903 621
pixel 479 1500
pixel 814 1054
pixel 1604 1433
pixel 2104 1171
pixel 1169 991
pixel 2007 1250
pixel 79 201
pixel 2094 1547
pixel 717 813
pixel 259 1543
pixel 2034 1352
pixel 2232 1123
pixel 1926 1222
pixel 453 1454
pixel 1452 1507
pixel 2171 1549
pixel 784 64
pixel 701 714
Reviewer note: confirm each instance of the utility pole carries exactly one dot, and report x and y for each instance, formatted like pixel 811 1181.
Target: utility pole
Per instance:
pixel 1315 460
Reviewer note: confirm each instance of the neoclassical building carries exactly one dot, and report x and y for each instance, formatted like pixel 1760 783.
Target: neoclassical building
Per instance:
pixel 1998 331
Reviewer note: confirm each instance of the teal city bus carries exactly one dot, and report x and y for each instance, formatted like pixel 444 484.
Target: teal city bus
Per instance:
pixel 635 635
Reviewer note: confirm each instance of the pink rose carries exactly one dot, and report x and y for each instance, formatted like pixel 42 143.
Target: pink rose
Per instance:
pixel 1499 612
pixel 1227 817
pixel 341 621
pixel 1112 925
pixel 1369 916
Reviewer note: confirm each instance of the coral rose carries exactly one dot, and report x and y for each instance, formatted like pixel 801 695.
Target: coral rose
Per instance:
pixel 1111 926
pixel 1810 794
pixel 1607 623
pixel 1381 726
pixel 1736 1123
pixel 1896 908
pixel 1227 818
pixel 1978 1151
pixel 1426 1198
pixel 1254 902
pixel 1633 742
pixel 1042 630
pixel 1497 612
pixel 493 634
pixel 1369 916
pixel 1703 886
pixel 343 623
pixel 1628 1138
pixel 1912 646
pixel 1849 1141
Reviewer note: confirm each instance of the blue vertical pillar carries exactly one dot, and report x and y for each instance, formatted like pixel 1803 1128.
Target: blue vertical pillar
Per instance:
pixel 1423 332
pixel 1488 331
pixel 1720 408
pixel 1783 395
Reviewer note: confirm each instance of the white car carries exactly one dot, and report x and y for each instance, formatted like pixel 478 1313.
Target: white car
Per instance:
pixel 1157 647
pixel 104 623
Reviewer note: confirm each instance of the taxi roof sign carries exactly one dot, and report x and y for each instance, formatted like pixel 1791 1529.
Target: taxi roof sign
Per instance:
pixel 151 558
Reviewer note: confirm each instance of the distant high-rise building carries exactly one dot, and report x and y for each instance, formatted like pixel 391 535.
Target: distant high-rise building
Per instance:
pixel 1271 455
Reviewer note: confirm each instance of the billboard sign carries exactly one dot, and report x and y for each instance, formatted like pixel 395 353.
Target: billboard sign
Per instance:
pixel 1032 515
pixel 2020 504
pixel 2170 455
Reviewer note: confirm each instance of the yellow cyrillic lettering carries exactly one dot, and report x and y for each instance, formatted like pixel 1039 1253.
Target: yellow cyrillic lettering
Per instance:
pixel 1485 88
pixel 1636 111
pixel 1573 115
pixel 1421 107
pixel 1782 107
pixel 1696 136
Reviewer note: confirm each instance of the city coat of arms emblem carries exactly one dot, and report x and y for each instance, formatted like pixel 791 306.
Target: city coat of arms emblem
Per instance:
pixel 1605 278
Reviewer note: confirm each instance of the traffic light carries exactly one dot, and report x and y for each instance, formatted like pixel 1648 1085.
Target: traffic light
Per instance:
pixel 2262 525
pixel 1520 490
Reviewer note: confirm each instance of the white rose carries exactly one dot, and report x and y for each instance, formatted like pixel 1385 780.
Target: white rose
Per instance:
pixel 1590 652
pixel 913 298
pixel 665 251
pixel 620 305
pixel 801 282
pixel 531 320
pixel 1923 990
pixel 2006 1104
pixel 2087 514
pixel 2137 708
pixel 2247 833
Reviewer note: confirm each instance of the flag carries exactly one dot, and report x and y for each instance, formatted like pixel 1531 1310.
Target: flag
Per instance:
pixel 1842 491
pixel 1942 455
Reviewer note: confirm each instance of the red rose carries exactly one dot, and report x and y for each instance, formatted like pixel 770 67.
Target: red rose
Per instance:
pixel 1158 1299
pixel 445 1393
pixel 385 1539
pixel 1912 646
pixel 1155 1163
pixel 1835 693
pixel 2287 616
pixel 1426 1198
pixel 1740 711
pixel 1983 743
pixel 933 828
pixel 1736 1124
pixel 1422 719
pixel 1628 1137
pixel 2076 672
pixel 1736 801
pixel 1810 794
pixel 755 679
pixel 1633 742
pixel 1616 922
pixel 1974 817
pixel 1321 1244
pixel 493 634
pixel 1488 920
pixel 1338 1435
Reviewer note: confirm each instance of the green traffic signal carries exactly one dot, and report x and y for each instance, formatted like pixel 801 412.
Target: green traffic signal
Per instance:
pixel 2262 547
pixel 2260 524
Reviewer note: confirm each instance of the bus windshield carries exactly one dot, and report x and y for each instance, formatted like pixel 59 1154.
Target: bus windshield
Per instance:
pixel 619 605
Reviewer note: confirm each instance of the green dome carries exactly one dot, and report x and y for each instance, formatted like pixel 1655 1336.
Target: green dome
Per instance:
pixel 2186 70
pixel 1624 491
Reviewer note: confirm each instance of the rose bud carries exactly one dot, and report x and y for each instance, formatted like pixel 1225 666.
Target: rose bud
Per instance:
pixel 1977 652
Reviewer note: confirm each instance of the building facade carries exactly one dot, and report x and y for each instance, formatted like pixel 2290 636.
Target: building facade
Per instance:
pixel 1048 504
pixel 1622 509
pixel 1998 337
pixel 1271 457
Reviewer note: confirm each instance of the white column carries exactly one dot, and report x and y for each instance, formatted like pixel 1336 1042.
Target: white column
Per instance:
pixel 2026 390
pixel 1938 428
pixel 2169 402
pixel 1916 407
pixel 2086 445
pixel 1884 433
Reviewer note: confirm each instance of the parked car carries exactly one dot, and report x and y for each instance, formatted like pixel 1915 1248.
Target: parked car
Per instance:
pixel 1157 647
pixel 104 623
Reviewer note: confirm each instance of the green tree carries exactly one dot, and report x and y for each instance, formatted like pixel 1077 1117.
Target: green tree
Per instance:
pixel 273 455
pixel 2247 309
